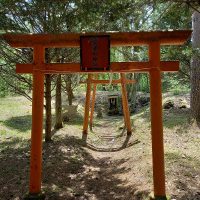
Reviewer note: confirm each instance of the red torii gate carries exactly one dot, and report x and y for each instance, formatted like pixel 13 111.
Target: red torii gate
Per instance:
pixel 154 66
pixel 88 118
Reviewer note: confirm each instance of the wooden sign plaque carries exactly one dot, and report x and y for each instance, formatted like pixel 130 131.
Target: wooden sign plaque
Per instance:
pixel 95 53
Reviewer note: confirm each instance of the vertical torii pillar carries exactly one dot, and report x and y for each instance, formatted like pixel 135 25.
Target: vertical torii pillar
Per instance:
pixel 93 102
pixel 37 125
pixel 87 108
pixel 156 122
pixel 126 111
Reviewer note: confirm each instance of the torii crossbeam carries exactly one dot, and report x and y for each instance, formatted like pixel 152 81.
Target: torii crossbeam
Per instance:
pixel 154 67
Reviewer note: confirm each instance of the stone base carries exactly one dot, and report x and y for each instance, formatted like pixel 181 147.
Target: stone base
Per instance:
pixel 39 196
pixel 152 197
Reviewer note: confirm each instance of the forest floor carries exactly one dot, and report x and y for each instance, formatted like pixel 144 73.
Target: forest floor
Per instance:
pixel 111 166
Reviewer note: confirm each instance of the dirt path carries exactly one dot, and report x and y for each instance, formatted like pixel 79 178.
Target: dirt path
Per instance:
pixel 117 167
pixel 100 170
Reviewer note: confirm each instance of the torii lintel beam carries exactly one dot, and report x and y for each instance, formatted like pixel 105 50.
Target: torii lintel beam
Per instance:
pixel 175 37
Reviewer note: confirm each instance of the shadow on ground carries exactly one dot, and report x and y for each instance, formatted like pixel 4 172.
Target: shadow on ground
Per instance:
pixel 185 170
pixel 69 172
pixel 171 117
pixel 76 120
pixel 72 173
pixel 20 123
pixel 14 159
pixel 124 144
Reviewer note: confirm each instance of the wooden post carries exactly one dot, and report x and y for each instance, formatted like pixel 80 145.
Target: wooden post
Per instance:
pixel 156 122
pixel 37 123
pixel 93 103
pixel 125 105
pixel 87 106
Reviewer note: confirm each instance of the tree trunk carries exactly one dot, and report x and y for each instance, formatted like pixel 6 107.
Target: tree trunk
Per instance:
pixel 131 91
pixel 48 120
pixel 48 108
pixel 195 69
pixel 196 30
pixel 58 108
pixel 195 88
pixel 69 89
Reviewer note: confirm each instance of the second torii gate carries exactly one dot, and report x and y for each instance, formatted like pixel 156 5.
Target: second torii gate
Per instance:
pixel 154 67
pixel 93 81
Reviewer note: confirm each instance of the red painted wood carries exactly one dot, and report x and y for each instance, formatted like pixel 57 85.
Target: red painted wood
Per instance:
pixel 95 53
pixel 176 37
pixel 165 66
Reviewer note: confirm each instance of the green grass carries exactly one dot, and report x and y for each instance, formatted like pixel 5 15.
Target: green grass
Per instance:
pixel 178 91
pixel 176 118
pixel 15 117
pixel 76 121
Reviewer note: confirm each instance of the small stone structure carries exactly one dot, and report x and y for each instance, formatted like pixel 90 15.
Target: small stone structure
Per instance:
pixel 113 104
